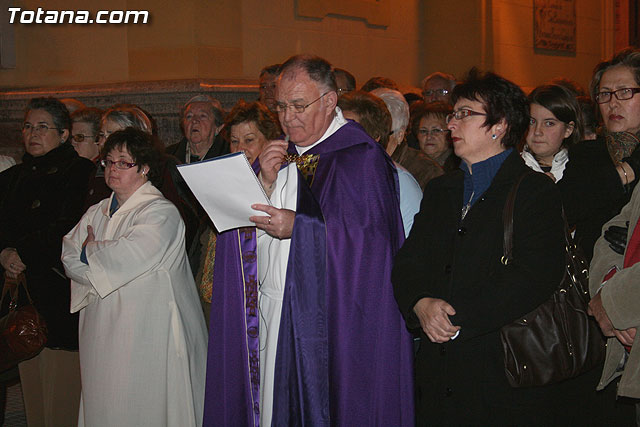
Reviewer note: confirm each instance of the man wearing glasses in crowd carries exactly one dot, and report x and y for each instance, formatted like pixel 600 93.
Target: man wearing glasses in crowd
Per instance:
pixel 437 87
pixel 316 338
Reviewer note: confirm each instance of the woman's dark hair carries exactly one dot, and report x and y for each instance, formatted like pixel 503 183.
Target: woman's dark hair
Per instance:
pixel 92 116
pixel 564 105
pixel 254 112
pixel 437 109
pixel 502 100
pixel 53 106
pixel 627 57
pixel 589 116
pixel 140 145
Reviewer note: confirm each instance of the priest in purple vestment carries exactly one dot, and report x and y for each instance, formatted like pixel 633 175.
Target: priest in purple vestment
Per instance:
pixel 304 327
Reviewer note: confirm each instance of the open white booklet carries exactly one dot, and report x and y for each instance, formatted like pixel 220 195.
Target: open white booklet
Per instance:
pixel 226 187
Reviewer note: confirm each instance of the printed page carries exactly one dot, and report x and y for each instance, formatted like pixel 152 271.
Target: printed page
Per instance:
pixel 226 187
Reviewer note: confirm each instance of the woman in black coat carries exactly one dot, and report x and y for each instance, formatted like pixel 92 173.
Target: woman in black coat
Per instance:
pixel 448 278
pixel 42 199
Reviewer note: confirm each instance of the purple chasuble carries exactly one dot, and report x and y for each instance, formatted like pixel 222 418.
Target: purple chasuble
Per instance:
pixel 344 356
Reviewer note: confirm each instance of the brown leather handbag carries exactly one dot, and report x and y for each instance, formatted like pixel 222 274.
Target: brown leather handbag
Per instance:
pixel 558 340
pixel 23 332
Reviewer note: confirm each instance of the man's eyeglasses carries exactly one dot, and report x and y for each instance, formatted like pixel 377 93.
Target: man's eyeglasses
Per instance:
pixel 621 94
pixel 281 107
pixel 461 114
pixel 79 137
pixel 435 132
pixel 436 92
pixel 120 164
pixel 39 129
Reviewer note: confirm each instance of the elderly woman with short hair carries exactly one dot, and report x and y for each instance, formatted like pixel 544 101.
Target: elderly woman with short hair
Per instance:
pixel 448 277
pixel 201 120
pixel 418 164
pixel 42 198
pixel 85 126
pixel 429 126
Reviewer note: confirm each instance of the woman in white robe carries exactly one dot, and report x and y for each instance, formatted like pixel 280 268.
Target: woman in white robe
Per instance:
pixel 142 333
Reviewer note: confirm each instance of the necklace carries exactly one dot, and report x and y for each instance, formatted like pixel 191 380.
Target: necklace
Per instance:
pixel 465 208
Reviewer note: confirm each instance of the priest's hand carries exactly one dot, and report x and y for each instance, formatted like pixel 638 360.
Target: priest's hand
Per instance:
pixel 11 262
pixel 597 310
pixel 278 224
pixel 271 160
pixel 433 314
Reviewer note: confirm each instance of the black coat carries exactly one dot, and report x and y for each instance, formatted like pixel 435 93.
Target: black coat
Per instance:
pixel 42 200
pixel 592 192
pixel 220 147
pixel 463 381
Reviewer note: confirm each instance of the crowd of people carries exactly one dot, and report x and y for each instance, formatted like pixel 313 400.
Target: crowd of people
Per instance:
pixel 370 291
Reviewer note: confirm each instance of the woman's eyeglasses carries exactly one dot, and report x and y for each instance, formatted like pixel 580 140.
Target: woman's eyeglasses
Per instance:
pixel 435 132
pixel 120 164
pixel 461 114
pixel 621 94
pixel 39 128
pixel 78 137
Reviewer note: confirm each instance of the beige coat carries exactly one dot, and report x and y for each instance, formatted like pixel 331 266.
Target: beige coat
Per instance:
pixel 621 301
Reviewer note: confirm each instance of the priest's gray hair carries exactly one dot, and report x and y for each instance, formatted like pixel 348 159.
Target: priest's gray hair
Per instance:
pixel 397 106
pixel 318 69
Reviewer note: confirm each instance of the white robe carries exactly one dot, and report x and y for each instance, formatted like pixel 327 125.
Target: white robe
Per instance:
pixel 143 339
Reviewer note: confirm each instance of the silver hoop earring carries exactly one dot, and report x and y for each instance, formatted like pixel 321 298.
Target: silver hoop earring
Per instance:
pixel 494 136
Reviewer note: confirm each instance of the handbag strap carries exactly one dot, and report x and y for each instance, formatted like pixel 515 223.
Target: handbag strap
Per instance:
pixel 507 220
pixel 11 287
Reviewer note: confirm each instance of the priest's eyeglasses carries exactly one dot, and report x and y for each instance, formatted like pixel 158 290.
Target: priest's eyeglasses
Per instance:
pixel 120 164
pixel 281 107
pixel 621 94
pixel 461 114
pixel 39 128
